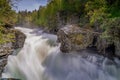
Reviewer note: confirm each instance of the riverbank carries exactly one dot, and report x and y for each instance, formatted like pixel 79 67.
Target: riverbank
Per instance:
pixel 12 46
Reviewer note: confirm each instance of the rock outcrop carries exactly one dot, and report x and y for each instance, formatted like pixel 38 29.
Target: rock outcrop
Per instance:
pixel 74 38
pixel 19 39
pixel 7 48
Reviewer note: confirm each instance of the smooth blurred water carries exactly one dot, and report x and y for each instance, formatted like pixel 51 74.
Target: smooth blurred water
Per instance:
pixel 41 59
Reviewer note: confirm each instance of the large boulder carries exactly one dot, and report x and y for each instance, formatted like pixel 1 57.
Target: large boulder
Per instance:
pixel 9 47
pixel 19 39
pixel 74 38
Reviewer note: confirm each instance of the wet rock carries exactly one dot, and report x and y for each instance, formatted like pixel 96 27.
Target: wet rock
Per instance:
pixel 117 48
pixel 19 39
pixel 3 62
pixel 74 38
pixel 101 44
pixel 5 50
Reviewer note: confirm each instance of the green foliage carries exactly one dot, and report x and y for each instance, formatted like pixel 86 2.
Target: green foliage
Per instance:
pixel 5 36
pixel 7 17
pixel 114 9
pixel 96 10
pixel 47 16
pixel 106 13
pixel 111 29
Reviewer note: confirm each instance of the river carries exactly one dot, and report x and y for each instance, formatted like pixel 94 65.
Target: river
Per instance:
pixel 41 59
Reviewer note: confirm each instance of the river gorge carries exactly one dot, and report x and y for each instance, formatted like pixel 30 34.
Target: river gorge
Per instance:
pixel 41 59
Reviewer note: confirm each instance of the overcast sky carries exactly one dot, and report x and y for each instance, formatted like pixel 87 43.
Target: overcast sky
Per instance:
pixel 29 4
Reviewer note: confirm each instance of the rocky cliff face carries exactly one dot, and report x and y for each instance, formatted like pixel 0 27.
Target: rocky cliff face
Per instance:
pixel 7 48
pixel 73 38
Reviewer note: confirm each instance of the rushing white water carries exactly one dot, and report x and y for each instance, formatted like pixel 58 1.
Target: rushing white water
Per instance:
pixel 41 59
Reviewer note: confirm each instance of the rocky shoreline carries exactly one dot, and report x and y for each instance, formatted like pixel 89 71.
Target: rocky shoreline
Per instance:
pixel 8 48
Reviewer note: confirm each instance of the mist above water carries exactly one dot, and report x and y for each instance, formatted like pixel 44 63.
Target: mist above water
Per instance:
pixel 41 59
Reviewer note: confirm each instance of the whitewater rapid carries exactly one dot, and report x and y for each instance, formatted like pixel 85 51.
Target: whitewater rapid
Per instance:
pixel 41 59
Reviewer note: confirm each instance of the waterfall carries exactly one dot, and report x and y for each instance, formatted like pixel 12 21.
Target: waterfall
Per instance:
pixel 41 59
